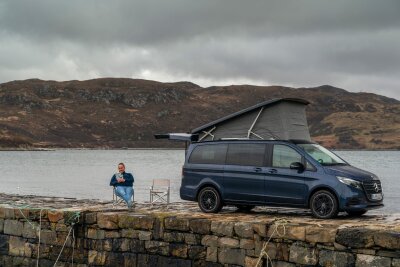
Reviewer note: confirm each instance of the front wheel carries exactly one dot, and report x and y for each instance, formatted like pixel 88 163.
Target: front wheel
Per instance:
pixel 324 205
pixel 209 200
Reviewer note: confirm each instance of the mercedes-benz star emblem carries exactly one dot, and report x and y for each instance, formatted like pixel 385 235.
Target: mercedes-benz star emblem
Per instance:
pixel 376 187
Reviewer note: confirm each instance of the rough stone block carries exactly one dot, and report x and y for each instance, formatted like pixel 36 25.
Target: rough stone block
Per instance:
pixel 107 221
pixel 387 239
pixel 4 244
pixel 93 233
pixel 145 235
pixel 389 253
pixel 372 261
pixel 2 212
pixel 289 231
pixel 246 243
pixel 158 228
pixel 231 256
pixel 29 231
pixel 48 237
pixel 137 246
pixel 91 218
pixel 13 227
pixel 250 261
pixel 174 237
pixel 227 242
pixel 200 226
pixel 192 239
pixel 244 230
pixel 121 245
pixel 178 250
pixel 396 262
pixel 302 255
pixel 175 223
pixel 261 229
pixel 135 221
pixel 222 228
pixel 212 254
pixel 129 259
pixel 17 246
pixel 9 213
pixel 283 264
pixel 210 241
pixel 130 233
pixel 1 225
pixel 282 251
pixel 333 258
pixel 112 234
pixel 96 257
pixel 55 215
pixel 197 252
pixel 157 247
pixel 355 237
pixel 315 234
pixel 270 249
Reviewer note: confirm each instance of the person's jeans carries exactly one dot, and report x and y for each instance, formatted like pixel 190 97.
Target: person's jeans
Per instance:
pixel 126 193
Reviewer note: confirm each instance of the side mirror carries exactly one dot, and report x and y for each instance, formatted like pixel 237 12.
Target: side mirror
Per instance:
pixel 297 166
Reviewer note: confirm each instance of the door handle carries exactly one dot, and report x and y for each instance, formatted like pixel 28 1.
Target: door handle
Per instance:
pixel 273 171
pixel 257 169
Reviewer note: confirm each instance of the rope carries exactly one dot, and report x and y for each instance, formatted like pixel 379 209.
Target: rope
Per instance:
pixel 70 229
pixel 278 223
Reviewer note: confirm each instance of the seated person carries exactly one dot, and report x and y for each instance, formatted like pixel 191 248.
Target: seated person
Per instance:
pixel 123 183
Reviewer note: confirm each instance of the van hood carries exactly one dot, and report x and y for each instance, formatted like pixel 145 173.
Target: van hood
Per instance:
pixel 350 172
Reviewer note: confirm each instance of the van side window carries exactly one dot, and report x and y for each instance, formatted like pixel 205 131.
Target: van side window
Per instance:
pixel 209 154
pixel 246 154
pixel 283 156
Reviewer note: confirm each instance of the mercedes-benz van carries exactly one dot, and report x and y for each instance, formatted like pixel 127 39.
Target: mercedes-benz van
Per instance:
pixel 294 173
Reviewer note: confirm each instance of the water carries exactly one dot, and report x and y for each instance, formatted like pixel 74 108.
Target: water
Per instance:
pixel 86 173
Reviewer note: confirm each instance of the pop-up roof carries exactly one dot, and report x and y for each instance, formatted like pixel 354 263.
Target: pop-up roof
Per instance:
pixel 282 119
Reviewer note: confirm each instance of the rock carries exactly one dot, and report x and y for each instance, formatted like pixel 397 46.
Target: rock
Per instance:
pixel 337 259
pixel 231 256
pixel 174 237
pixel 91 218
pixel 121 244
pixel 55 215
pixel 289 231
pixel 212 254
pixel 48 237
pixel 107 221
pixel 283 264
pixel 227 242
pixel 2 212
pixel 135 221
pixel 315 234
pixel 112 234
pixel 197 252
pixel 29 231
pixel 244 230
pixel 157 247
pixel 95 233
pixel 13 227
pixel 388 239
pixel 302 255
pixel 250 261
pixel 282 251
pixel 210 241
pixel 130 233
pixel 145 235
pixel 17 246
pixel 175 223
pixel 1 225
pixel 372 261
pixel 396 262
pixel 270 249
pixel 192 239
pixel 260 229
pixel 222 228
pixel 246 243
pixel 96 257
pixel 355 237
pixel 4 244
pixel 200 226
pixel 178 250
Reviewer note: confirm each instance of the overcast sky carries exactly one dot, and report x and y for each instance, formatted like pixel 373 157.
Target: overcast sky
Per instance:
pixel 354 44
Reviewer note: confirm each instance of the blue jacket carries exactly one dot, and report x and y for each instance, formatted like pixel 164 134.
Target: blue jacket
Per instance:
pixel 128 180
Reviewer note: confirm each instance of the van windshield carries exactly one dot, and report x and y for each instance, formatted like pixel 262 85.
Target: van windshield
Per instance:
pixel 322 155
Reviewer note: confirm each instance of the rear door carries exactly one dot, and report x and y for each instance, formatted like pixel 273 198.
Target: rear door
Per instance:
pixel 282 184
pixel 244 173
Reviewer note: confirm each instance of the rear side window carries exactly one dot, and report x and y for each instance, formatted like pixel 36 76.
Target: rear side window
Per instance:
pixel 283 156
pixel 246 154
pixel 209 154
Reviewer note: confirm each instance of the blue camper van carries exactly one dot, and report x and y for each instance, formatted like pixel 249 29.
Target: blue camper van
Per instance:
pixel 290 173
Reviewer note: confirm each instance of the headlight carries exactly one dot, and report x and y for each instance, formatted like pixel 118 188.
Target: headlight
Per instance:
pixel 350 182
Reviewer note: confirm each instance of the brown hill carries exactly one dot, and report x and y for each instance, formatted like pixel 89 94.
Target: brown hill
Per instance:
pixel 115 113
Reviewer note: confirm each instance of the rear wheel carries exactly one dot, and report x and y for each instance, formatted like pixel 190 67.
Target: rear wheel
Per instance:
pixel 209 200
pixel 245 207
pixel 356 212
pixel 323 205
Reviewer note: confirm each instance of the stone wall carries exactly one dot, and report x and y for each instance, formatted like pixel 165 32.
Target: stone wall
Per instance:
pixel 173 238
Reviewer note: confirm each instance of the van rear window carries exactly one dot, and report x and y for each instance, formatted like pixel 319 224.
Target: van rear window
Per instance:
pixel 209 154
pixel 246 154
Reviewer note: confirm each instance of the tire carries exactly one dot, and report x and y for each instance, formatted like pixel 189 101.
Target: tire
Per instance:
pixel 356 213
pixel 245 208
pixel 209 200
pixel 323 205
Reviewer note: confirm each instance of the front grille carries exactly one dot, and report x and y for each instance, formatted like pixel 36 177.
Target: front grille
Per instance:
pixel 372 187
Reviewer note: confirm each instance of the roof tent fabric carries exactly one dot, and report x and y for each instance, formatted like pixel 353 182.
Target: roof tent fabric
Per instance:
pixel 282 119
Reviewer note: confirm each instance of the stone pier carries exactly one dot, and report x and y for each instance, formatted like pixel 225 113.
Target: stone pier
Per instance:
pixel 43 231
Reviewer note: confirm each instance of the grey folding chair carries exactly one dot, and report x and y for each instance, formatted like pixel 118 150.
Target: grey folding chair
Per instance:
pixel 160 191
pixel 118 200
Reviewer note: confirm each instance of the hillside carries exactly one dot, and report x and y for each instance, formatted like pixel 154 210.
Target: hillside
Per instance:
pixel 115 113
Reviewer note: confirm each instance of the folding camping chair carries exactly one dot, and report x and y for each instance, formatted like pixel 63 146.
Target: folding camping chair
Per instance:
pixel 118 200
pixel 159 191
